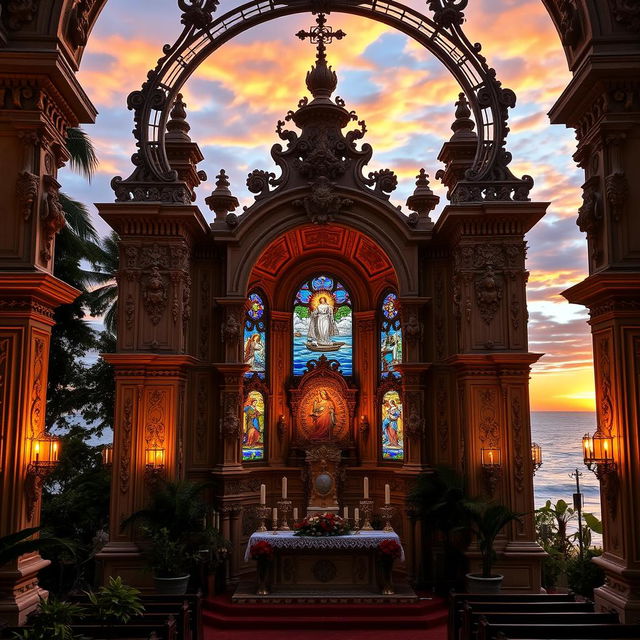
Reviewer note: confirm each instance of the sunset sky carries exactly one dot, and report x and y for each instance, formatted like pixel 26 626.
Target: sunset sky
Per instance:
pixel 406 97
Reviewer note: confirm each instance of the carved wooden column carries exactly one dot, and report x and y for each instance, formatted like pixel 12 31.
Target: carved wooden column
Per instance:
pixel 601 103
pixel 37 105
pixel 492 368
pixel 367 432
pixel 152 364
pixel 280 418
pixel 413 370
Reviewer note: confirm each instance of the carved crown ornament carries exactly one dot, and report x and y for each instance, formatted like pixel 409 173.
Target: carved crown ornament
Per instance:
pixel 320 157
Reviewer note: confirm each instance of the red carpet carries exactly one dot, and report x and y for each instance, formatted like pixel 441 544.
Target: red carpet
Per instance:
pixel 425 620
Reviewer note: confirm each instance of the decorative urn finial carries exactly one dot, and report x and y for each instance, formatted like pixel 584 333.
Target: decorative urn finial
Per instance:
pixel 463 125
pixel 178 128
pixel 422 201
pixel 222 201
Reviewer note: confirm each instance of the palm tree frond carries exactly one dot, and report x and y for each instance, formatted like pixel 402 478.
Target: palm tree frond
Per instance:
pixel 83 154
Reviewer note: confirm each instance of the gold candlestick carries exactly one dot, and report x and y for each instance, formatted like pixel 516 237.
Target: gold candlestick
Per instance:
pixel 356 526
pixel 387 513
pixel 263 513
pixel 366 508
pixel 284 507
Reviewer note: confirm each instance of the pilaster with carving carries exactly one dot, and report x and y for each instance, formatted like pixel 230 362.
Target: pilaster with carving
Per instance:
pixel 150 413
pixel 279 367
pixel 414 413
pixel 229 415
pixel 367 365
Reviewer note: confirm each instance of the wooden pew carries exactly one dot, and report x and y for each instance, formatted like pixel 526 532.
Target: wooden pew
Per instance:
pixel 457 601
pixel 472 611
pixel 492 631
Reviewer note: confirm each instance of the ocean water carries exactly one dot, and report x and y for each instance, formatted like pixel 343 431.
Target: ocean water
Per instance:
pixel 559 433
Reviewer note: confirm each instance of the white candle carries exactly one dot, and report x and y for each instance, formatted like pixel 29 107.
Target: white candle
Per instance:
pixel 356 514
pixel 274 517
pixel 366 488
pixel 387 494
pixel 345 513
pixel 284 487
pixel 295 514
pixel 263 494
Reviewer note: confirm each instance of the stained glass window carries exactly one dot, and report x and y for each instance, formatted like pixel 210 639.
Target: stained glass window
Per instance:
pixel 392 426
pixel 255 336
pixel 253 427
pixel 390 336
pixel 322 324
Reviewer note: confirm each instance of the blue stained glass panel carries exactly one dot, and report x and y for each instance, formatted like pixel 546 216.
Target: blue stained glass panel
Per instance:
pixel 322 282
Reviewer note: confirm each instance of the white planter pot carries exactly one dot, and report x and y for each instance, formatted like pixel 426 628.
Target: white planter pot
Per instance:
pixel 171 586
pixel 477 584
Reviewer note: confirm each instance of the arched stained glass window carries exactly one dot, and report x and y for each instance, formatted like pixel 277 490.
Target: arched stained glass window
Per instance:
pixel 253 426
pixel 390 336
pixel 392 426
pixel 322 324
pixel 255 336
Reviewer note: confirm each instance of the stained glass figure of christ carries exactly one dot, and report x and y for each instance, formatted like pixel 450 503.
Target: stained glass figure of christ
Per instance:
pixel 322 324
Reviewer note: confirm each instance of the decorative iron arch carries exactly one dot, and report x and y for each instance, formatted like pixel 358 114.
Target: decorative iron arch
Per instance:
pixel 489 177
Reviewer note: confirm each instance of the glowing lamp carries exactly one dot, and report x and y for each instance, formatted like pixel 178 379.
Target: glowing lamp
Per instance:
pixel 107 455
pixel 490 457
pixel 536 456
pixel 598 452
pixel 45 454
pixel 154 458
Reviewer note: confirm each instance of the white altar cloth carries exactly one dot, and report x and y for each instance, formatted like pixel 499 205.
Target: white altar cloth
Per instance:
pixel 351 542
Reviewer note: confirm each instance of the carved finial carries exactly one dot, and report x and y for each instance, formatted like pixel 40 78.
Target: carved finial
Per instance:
pixel 422 201
pixel 178 127
pixel 222 201
pixel 463 125
pixel 321 80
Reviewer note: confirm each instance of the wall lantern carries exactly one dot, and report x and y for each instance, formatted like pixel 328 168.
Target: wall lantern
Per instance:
pixel 44 456
pixel 490 457
pixel 364 425
pixel 491 460
pixel 598 453
pixel 107 455
pixel 536 456
pixel 154 459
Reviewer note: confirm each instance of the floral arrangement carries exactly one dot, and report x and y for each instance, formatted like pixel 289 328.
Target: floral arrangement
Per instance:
pixel 261 550
pixel 390 549
pixel 324 524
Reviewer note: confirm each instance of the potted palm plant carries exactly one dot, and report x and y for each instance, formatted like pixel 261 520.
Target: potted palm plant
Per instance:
pixel 173 523
pixel 487 521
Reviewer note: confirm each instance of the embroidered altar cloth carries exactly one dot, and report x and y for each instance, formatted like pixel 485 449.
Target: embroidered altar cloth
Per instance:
pixel 286 540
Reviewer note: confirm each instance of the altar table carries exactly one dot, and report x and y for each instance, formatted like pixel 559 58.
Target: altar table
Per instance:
pixel 322 564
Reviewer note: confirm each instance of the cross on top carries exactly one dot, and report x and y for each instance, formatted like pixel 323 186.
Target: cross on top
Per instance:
pixel 321 35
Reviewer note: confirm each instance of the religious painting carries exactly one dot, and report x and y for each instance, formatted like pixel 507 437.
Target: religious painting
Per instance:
pixel 322 324
pixel 255 336
pixel 322 414
pixel 253 427
pixel 390 336
pixel 392 426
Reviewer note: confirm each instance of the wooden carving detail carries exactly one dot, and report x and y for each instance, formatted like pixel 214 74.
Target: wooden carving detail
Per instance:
pixel 125 452
pixel 37 400
pixel 489 290
pixel 591 213
pixel 626 13
pixel 516 424
pixel 27 193
pixel 570 24
pixel 20 13
pixel 155 423
pixel 205 316
pixel 51 216
pixel 489 427
pixel 5 344
pixel 201 415
pixel 78 29
pixel 617 190
pixel 230 424
pixel 442 414
pixel 154 295
pixel 232 325
pixel 414 422
pixel 606 403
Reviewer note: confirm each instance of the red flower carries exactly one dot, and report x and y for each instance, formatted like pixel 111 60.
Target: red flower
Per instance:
pixel 261 549
pixel 390 548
